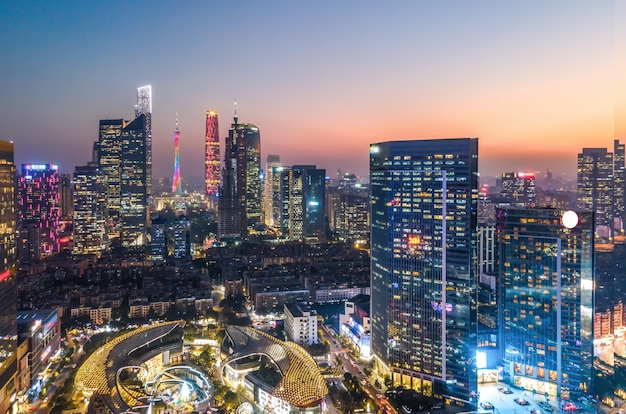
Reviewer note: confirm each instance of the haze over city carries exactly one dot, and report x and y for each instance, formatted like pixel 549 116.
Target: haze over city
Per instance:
pixel 535 81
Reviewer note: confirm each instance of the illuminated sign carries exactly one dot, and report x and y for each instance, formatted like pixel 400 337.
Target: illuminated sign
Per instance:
pixel 41 167
pixel 414 240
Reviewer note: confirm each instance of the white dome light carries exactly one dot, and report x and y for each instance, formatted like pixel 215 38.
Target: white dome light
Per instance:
pixel 569 219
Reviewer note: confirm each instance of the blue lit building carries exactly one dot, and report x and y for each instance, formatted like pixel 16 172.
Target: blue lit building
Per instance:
pixel 546 265
pixel 424 268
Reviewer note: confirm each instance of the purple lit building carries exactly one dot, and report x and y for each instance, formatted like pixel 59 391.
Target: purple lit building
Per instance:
pixel 38 211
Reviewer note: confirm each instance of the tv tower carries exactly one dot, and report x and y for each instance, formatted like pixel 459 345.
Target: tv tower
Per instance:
pixel 176 187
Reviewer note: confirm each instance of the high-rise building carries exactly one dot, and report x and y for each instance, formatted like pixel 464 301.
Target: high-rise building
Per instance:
pixel 271 194
pixel 134 182
pixel 595 188
pixel 240 209
pixel 66 201
pixel 38 209
pixel 176 186
pixel 90 211
pixel 619 186
pixel 353 218
pixel 518 188
pixel 424 197
pixel 8 291
pixel 547 305
pixel 158 241
pixel 212 156
pixel 109 163
pixel 144 107
pixel 303 194
pixel 182 239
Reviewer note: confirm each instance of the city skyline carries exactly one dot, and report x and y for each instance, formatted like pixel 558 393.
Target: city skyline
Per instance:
pixel 536 82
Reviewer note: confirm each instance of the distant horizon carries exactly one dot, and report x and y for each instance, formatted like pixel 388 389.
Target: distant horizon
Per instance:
pixel 534 81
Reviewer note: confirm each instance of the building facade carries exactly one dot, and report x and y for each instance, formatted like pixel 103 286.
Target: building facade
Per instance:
pixel 90 211
pixel 424 265
pixel 144 107
pixel 211 155
pixel 39 212
pixel 518 188
pixel 301 323
pixel 176 184
pixel 547 306
pixel 271 194
pixel 595 188
pixel 8 290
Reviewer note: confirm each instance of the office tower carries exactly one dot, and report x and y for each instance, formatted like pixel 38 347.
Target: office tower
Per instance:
pixel 423 264
pixel 38 211
pixel 240 203
pixel 144 107
pixel 182 239
pixel 595 188
pixel 8 291
pixel 109 162
pixel 66 201
pixel 211 155
pixel 303 192
pixel 619 186
pixel 176 186
pixel 271 194
pixel 90 211
pixel 353 223
pixel 547 306
pixel 158 241
pixel 134 182
pixel 518 188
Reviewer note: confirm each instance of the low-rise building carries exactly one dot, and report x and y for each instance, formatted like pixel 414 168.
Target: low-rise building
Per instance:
pixel 355 323
pixel 301 323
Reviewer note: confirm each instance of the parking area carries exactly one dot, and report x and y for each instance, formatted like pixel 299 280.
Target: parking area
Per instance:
pixel 500 398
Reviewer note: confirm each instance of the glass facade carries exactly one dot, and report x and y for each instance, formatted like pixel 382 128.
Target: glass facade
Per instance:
pixel 547 299
pixel 211 154
pixel 424 264
pixel 595 187
pixel 8 292
pixel 90 211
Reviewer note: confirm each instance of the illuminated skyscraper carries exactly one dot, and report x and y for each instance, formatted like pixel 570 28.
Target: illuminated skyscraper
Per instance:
pixel 176 186
pixel 595 187
pixel 518 188
pixel 110 161
pixel 212 155
pixel 271 194
pixel 619 185
pixel 547 306
pixel 134 182
pixel 38 209
pixel 240 203
pixel 90 211
pixel 144 107
pixel 8 291
pixel 424 267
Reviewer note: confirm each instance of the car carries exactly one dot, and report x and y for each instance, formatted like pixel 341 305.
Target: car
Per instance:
pixel 521 401
pixel 505 390
pixel 486 405
pixel 536 411
pixel 437 406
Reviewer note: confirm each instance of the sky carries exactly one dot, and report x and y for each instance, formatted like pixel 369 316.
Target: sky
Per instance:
pixel 535 81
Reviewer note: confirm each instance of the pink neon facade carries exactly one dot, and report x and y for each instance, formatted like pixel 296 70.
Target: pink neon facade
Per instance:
pixel 212 155
pixel 176 186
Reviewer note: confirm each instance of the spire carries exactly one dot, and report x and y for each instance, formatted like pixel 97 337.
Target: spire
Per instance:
pixel 176 120
pixel 236 116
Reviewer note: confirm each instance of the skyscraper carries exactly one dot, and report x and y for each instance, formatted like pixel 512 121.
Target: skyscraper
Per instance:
pixel 619 185
pixel 109 162
pixel 546 265
pixel 595 188
pixel 271 196
pixel 424 266
pixel 211 156
pixel 518 188
pixel 144 107
pixel 38 208
pixel 90 211
pixel 240 203
pixel 303 190
pixel 8 292
pixel 176 186
pixel 134 182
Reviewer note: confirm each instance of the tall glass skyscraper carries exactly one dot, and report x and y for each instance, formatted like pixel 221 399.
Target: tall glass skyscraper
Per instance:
pixel 176 184
pixel 212 155
pixel 39 212
pixel 424 265
pixel 90 211
pixel 144 107
pixel 546 265
pixel 8 292
pixel 595 188
pixel 109 162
